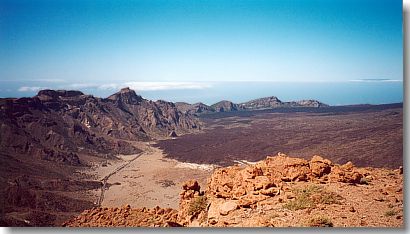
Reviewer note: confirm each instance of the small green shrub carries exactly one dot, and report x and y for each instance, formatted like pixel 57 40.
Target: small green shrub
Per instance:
pixel 390 213
pixel 274 215
pixel 309 190
pixel 166 183
pixel 311 195
pixel 327 198
pixel 197 205
pixel 320 221
pixel 363 180
pixel 299 203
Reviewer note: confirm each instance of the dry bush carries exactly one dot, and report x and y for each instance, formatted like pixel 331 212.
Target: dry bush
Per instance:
pixel 320 221
pixel 390 213
pixel 309 196
pixel 197 205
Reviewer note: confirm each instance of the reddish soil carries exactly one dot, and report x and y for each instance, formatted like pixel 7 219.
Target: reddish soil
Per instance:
pixel 279 191
pixel 366 135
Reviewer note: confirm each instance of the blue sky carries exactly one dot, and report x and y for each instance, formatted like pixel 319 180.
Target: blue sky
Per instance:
pixel 162 45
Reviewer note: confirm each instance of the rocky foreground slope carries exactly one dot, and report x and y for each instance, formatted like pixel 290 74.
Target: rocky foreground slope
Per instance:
pixel 279 191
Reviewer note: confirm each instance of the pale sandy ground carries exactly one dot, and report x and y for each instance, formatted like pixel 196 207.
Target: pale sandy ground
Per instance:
pixel 150 180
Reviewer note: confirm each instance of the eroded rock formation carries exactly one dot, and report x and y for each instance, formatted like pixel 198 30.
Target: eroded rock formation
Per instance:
pixel 56 125
pixel 286 191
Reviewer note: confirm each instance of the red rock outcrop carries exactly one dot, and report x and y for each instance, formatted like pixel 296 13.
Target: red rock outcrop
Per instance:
pixel 280 186
pixel 125 217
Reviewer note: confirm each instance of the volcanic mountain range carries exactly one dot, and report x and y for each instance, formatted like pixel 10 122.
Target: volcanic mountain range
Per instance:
pixel 56 125
pixel 256 104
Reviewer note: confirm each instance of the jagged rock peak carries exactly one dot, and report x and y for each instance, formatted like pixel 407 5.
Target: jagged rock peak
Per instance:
pixel 225 106
pixel 127 90
pixel 126 95
pixel 271 98
pixel 311 103
pixel 59 93
pixel 261 103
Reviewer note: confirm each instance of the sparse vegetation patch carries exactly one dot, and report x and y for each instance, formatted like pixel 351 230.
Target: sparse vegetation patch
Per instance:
pixel 320 221
pixel 309 196
pixel 166 183
pixel 197 205
pixel 390 213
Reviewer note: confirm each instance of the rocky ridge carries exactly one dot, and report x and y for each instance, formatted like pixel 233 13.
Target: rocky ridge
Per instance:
pixel 226 106
pixel 57 125
pixel 256 104
pixel 279 191
pixel 196 108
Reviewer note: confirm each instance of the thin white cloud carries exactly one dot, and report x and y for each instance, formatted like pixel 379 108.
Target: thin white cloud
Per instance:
pixel 82 85
pixel 375 80
pixel 154 86
pixel 30 88
pixel 109 86
pixel 136 85
pixel 144 85
pixel 35 80
pixel 50 80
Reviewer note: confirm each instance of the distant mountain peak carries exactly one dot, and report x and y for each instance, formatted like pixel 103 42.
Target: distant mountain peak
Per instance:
pixel 270 102
pixel 311 103
pixel 126 95
pixel 127 90
pixel 226 106
pixel 271 98
pixel 261 103
pixel 58 124
pixel 59 93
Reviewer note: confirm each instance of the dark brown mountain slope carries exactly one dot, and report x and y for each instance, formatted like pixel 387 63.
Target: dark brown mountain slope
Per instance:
pixel 226 106
pixel 46 139
pixel 196 108
pixel 56 125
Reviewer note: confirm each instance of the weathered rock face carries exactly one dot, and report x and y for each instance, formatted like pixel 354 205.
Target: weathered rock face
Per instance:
pixel 126 217
pixel 237 188
pixel 196 108
pixel 257 104
pixel 346 173
pixel 126 96
pixel 274 102
pixel 56 125
pixel 226 106
pixel 263 103
pixel 311 103
pixel 191 204
pixel 304 103
pixel 278 191
pixel 265 179
pixel 319 166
